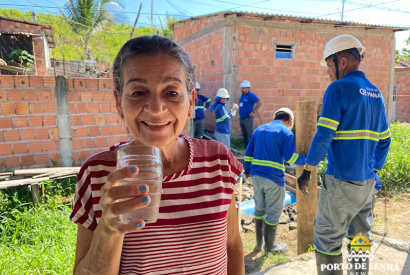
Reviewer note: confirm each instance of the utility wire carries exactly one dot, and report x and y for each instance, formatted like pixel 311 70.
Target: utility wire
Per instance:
pixel 42 8
pixel 364 5
pixel 356 8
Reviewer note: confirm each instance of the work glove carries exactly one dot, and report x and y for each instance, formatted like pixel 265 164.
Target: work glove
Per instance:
pixel 303 181
pixel 234 107
pixel 246 175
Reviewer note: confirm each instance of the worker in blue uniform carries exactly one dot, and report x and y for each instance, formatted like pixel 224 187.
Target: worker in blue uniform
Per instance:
pixel 249 105
pixel 271 144
pixel 354 131
pixel 223 117
pixel 201 102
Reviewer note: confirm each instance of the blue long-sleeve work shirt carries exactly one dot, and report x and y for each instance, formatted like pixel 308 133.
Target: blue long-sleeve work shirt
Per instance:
pixel 201 102
pixel 271 144
pixel 352 129
pixel 222 119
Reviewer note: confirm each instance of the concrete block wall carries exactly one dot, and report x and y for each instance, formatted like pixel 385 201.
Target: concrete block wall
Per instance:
pixel 9 26
pixel 402 83
pixel 28 131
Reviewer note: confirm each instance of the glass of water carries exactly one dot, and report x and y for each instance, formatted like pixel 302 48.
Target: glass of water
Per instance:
pixel 149 163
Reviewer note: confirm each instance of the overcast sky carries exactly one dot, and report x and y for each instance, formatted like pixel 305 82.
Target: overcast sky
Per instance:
pixel 382 12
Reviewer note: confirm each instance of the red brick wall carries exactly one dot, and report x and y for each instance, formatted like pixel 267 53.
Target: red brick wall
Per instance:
pixel 191 27
pixel 38 52
pixel 402 82
pixel 28 120
pixel 28 131
pixel 281 82
pixel 278 82
pixel 206 56
pixel 95 124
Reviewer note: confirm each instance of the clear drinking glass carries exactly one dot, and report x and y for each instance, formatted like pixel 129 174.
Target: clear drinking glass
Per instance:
pixel 148 160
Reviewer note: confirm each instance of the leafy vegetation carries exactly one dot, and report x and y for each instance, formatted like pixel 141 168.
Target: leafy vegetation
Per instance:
pixel 395 174
pixel 104 44
pixel 88 17
pixel 22 57
pixel 37 239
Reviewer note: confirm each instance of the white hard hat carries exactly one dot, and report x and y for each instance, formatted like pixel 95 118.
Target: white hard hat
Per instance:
pixel 197 87
pixel 288 111
pixel 222 93
pixel 341 43
pixel 245 84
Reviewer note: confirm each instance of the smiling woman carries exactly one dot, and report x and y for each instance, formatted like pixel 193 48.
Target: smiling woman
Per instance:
pixel 197 229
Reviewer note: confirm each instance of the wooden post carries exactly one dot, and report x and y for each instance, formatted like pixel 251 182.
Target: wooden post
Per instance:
pixel 239 204
pixel 63 65
pixel 306 120
pixel 136 20
pixel 54 66
pixel 35 193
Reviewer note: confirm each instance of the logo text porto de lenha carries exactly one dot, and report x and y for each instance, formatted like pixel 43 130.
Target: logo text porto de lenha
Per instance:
pixel 360 249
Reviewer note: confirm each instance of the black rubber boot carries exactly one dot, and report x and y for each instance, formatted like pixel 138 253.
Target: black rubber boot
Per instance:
pixel 329 265
pixel 270 237
pixel 259 234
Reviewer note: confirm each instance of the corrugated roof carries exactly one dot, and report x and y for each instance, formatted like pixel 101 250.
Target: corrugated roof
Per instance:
pixel 301 19
pixel 48 29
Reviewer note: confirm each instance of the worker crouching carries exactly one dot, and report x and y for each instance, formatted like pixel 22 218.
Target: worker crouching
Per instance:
pixel 270 145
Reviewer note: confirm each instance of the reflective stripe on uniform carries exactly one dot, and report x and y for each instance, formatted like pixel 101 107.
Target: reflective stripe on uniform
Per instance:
pixel 268 163
pixel 221 119
pixel 328 123
pixel 248 159
pixel 199 107
pixel 293 159
pixel 209 100
pixel 385 134
pixel 357 134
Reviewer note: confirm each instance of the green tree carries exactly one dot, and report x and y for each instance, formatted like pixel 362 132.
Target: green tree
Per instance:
pixel 89 17
pixel 405 52
pixel 166 28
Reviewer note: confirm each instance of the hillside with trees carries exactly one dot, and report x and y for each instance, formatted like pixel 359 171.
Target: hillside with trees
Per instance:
pixel 104 43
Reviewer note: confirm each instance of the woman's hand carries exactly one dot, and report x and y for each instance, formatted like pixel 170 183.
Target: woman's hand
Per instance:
pixel 112 208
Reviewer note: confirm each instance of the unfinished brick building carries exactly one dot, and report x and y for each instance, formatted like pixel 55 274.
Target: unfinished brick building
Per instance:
pixel 36 38
pixel 280 56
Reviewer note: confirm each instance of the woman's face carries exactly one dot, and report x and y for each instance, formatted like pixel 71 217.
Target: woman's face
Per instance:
pixel 155 102
pixel 223 100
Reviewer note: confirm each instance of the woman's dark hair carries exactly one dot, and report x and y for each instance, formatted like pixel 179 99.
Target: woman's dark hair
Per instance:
pixel 151 45
pixel 282 116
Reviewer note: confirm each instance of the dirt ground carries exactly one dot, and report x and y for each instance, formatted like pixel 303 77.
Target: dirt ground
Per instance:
pixel 398 226
pixel 398 213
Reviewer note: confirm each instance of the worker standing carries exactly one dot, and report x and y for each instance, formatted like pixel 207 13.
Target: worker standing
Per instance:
pixel 222 117
pixel 271 144
pixel 201 102
pixel 354 131
pixel 247 110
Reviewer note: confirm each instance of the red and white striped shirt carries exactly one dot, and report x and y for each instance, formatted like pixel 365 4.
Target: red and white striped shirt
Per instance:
pixel 190 234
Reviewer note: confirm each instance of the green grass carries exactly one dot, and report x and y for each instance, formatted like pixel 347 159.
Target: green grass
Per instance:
pixel 237 143
pixel 395 174
pixel 37 239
